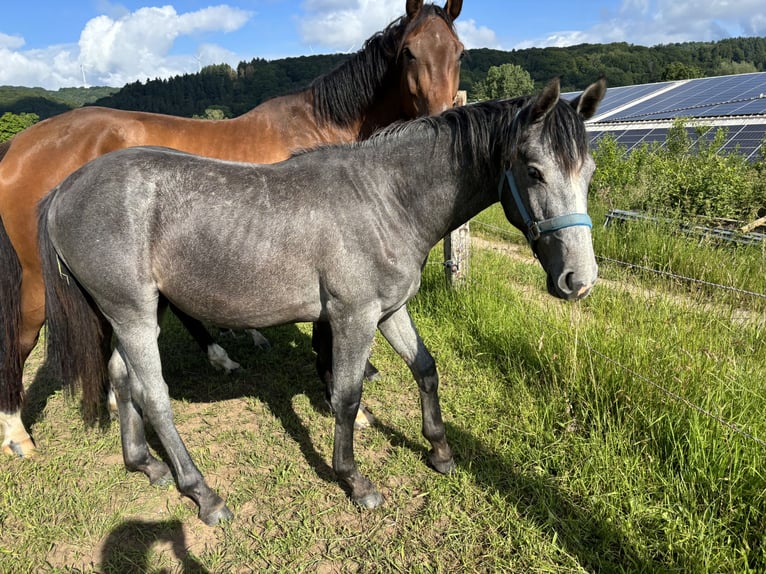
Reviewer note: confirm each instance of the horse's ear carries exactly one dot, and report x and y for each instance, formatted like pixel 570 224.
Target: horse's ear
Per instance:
pixel 587 102
pixel 545 101
pixel 413 7
pixel 453 8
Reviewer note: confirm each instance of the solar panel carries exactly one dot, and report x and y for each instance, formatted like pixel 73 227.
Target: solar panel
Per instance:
pixel 622 95
pixel 642 115
pixel 741 94
pixel 744 139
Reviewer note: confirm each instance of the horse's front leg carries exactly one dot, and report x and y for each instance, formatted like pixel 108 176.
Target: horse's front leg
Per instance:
pixel 399 330
pixel 216 354
pixel 321 342
pixel 352 340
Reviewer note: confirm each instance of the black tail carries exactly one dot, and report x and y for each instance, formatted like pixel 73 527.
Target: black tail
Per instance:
pixel 76 334
pixel 4 147
pixel 11 366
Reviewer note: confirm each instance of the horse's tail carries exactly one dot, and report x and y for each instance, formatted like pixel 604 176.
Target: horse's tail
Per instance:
pixel 11 365
pixel 76 334
pixel 4 147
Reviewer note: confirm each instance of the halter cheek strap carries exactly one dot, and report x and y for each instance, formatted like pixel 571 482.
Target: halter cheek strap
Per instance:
pixel 536 228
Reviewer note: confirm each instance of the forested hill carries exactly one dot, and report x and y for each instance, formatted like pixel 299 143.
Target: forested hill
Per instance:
pixel 236 91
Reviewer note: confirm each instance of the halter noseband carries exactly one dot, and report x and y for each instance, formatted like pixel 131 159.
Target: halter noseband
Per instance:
pixel 536 228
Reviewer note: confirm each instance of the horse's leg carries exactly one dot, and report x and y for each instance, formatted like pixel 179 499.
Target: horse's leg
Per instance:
pixel 135 451
pixel 17 440
pixel 259 340
pixel 149 394
pixel 321 342
pixel 215 353
pixel 351 346
pixel 400 332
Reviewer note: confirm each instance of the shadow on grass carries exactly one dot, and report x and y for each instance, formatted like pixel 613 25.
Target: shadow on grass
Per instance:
pixel 597 545
pixel 272 376
pixel 129 548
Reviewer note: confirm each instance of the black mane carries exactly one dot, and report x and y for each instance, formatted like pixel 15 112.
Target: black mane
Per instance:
pixel 477 129
pixel 340 96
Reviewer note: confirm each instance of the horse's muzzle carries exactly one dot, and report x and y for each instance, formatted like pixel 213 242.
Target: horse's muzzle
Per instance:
pixel 569 286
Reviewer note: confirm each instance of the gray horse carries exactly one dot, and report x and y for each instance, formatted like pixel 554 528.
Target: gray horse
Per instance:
pixel 338 235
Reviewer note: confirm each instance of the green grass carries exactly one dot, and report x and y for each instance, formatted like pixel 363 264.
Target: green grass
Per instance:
pixel 570 458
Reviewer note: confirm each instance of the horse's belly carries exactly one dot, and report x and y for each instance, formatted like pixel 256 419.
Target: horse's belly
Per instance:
pixel 243 300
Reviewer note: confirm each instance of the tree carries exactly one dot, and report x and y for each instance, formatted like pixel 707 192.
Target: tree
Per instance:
pixel 680 71
pixel 504 81
pixel 11 124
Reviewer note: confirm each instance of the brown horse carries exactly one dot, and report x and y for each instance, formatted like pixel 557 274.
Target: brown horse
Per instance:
pixel 409 69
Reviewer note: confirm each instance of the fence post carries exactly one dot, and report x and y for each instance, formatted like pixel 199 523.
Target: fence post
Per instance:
pixel 457 245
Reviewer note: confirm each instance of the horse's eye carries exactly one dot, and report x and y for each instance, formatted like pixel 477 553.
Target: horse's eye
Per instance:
pixel 534 173
pixel 408 54
pixel 461 57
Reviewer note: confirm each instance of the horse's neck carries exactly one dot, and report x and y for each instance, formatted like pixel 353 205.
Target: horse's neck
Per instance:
pixel 434 189
pixel 382 112
pixel 287 124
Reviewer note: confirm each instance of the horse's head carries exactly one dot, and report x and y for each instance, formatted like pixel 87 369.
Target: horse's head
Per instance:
pixel 544 193
pixel 430 56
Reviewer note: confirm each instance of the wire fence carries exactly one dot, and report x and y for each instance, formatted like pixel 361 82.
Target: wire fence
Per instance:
pixel 648 380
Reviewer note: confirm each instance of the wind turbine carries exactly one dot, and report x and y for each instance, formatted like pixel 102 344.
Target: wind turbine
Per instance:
pixel 82 71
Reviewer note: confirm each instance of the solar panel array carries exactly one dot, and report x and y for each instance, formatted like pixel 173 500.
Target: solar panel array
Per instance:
pixel 744 139
pixel 643 114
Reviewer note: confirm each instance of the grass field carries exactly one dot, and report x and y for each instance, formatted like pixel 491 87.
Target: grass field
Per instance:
pixel 619 434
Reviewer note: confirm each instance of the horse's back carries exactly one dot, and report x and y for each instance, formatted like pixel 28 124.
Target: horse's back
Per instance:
pixel 187 226
pixel 191 227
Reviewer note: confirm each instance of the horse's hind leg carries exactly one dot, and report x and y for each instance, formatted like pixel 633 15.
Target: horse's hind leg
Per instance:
pixel 16 440
pixel 143 391
pixel 400 332
pixel 135 451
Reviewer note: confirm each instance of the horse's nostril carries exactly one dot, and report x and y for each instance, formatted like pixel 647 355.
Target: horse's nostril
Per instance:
pixel 569 281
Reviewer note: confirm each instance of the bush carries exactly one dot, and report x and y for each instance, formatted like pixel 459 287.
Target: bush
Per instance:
pixel 689 175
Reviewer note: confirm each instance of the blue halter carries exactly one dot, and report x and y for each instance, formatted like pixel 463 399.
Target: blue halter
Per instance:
pixel 536 228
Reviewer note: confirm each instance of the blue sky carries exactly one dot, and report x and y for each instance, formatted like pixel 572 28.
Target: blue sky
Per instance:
pixel 55 44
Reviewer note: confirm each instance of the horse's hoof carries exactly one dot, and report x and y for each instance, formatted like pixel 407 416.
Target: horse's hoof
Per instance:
pixel 261 343
pixel 222 514
pixel 364 418
pixel 159 474
pixel 370 501
pixel 23 449
pixel 445 467
pixel 371 373
pixel 220 359
pixel 163 481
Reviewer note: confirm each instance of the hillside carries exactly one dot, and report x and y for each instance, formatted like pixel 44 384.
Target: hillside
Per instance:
pixel 236 91
pixel 46 103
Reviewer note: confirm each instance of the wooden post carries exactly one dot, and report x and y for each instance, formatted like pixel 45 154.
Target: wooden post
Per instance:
pixel 457 245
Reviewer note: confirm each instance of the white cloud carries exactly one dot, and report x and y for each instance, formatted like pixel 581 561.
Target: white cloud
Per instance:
pixel 344 25
pixel 136 46
pixel 652 22
pixel 474 36
pixel 125 47
pixel 11 42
